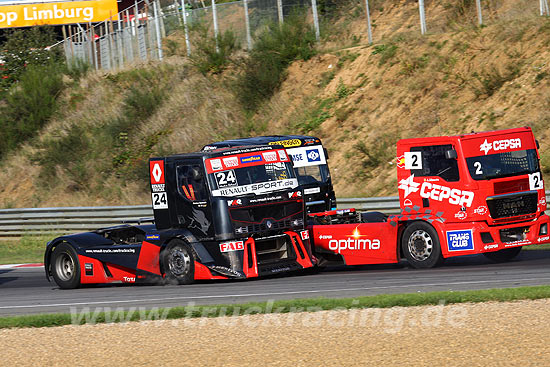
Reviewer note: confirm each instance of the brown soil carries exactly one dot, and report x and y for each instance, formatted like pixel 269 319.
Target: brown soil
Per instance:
pixel 485 334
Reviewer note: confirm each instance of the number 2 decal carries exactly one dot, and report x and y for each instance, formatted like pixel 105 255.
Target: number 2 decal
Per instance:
pixel 159 200
pixel 413 160
pixel 477 165
pixel 535 181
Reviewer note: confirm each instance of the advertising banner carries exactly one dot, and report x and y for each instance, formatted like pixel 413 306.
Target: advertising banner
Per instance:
pixel 27 15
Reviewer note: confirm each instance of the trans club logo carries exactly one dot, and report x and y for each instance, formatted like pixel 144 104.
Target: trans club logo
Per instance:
pixel 251 159
pixel 157 172
pixel 313 155
pixel 460 240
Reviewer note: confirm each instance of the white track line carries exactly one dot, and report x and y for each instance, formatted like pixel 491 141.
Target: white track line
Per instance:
pixel 271 294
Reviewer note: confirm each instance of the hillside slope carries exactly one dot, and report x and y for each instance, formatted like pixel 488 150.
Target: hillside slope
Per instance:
pixel 358 98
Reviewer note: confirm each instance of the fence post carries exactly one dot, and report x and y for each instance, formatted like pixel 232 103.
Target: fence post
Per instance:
pixel 187 44
pixel 546 8
pixel 120 39
pixel 215 20
pixel 479 17
pixel 161 19
pixel 157 29
pixel 247 25
pixel 280 11
pixel 422 16
pixel 315 19
pixel 369 29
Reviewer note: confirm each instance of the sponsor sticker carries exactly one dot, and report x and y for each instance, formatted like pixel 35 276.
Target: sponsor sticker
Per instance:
pixel 302 157
pixel 270 156
pixel 304 235
pixel 152 237
pixel 287 143
pixel 251 159
pixel 400 161
pixel 257 188
pixel 436 192
pixel 282 155
pixel 158 187
pixel 231 162
pixel 216 164
pixel 156 170
pixel 499 145
pixel 352 243
pixel 460 240
pixel 89 269
pixel 461 215
pixel 314 190
pixel 543 239
pixel 481 210
pixel 490 247
pixel 231 246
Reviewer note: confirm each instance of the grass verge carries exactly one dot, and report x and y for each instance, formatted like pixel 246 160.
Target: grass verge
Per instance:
pixel 284 306
pixel 27 249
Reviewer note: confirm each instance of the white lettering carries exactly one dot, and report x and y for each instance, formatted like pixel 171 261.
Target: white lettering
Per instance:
pixel 439 193
pixel 354 244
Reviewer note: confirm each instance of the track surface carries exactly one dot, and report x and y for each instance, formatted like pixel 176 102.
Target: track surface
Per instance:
pixel 26 291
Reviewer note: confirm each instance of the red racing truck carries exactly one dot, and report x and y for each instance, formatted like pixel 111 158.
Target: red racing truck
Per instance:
pixel 459 195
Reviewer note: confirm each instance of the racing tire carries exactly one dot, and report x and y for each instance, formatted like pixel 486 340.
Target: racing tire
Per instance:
pixel 65 266
pixel 178 263
pixel 421 247
pixel 504 255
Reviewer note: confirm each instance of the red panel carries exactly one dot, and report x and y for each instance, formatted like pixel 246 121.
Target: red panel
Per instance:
pixel 297 241
pixel 250 271
pixel 202 272
pixel 119 273
pixel 156 171
pixel 364 243
pixel 149 258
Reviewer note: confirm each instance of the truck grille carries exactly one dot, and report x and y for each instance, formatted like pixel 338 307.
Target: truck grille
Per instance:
pixel 284 224
pixel 512 205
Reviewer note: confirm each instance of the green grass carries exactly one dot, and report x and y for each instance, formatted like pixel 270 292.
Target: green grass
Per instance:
pixel 27 249
pixel 287 306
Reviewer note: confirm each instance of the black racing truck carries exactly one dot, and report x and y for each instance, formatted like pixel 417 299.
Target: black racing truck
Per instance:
pixel 218 214
pixel 310 164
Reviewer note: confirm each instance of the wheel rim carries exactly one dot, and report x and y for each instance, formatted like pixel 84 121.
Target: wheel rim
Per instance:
pixel 64 267
pixel 420 245
pixel 179 262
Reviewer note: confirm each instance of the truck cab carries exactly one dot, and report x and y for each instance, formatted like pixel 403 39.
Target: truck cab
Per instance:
pixel 309 158
pixel 485 188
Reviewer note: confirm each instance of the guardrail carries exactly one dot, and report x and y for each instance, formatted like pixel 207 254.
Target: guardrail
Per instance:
pixel 34 221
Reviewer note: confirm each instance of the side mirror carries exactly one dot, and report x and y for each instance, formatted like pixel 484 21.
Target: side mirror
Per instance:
pixel 537 143
pixel 451 154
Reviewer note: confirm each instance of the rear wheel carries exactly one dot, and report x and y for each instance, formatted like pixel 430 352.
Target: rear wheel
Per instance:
pixel 178 262
pixel 503 255
pixel 65 266
pixel 420 245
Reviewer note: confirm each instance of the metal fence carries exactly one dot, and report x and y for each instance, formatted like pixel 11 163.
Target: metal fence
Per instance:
pixel 137 33
pixel 35 221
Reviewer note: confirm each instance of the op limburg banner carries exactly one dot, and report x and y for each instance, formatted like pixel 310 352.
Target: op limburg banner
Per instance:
pixel 27 15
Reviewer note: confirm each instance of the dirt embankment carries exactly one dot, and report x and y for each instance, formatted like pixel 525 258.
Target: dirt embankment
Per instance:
pixel 485 334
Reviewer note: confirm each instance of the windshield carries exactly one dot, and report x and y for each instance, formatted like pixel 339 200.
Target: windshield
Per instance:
pixel 260 179
pixel 503 164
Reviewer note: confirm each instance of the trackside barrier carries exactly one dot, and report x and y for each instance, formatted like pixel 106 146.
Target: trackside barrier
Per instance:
pixel 36 221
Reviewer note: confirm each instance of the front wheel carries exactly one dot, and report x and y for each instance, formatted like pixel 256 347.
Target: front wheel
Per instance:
pixel 503 255
pixel 420 245
pixel 65 267
pixel 178 263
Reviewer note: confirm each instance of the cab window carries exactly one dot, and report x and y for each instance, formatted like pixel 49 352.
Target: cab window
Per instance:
pixel 435 163
pixel 191 182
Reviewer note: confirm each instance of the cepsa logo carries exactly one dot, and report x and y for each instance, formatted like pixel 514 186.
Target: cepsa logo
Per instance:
pixel 437 192
pixel 500 145
pixel 231 246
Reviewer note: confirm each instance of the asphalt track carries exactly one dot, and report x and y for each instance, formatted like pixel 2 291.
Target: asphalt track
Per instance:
pixel 26 290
